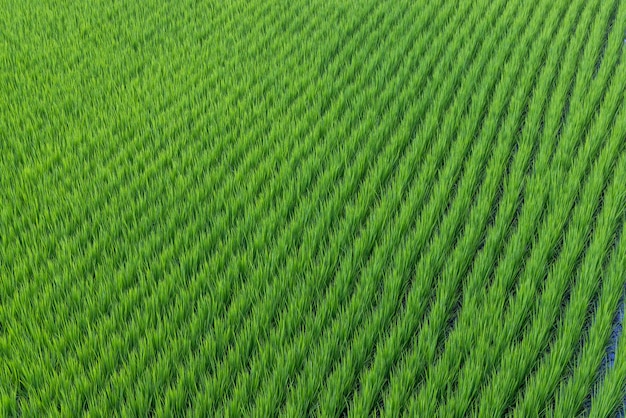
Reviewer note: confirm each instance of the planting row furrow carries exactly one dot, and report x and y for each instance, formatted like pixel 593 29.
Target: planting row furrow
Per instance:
pixel 551 370
pixel 329 261
pixel 571 245
pixel 370 270
pixel 421 354
pixel 205 245
pixel 529 216
pixel 554 226
pixel 439 376
pixel 483 130
pixel 608 398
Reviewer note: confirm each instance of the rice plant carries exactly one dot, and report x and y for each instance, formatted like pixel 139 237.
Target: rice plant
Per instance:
pixel 312 208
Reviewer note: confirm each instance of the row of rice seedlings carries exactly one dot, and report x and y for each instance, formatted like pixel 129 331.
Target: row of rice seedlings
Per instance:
pixel 517 360
pixel 451 358
pixel 172 299
pixel 422 352
pixel 549 375
pixel 439 376
pixel 336 209
pixel 360 207
pixel 506 270
pixel 556 223
pixel 305 294
pixel 609 393
pixel 369 272
pixel 522 303
pixel 466 189
pixel 589 365
pixel 551 370
pixel 599 344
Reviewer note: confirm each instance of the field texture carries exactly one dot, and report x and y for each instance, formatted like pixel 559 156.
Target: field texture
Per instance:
pixel 312 207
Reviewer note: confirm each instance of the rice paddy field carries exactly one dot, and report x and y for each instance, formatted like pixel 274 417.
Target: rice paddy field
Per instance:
pixel 312 208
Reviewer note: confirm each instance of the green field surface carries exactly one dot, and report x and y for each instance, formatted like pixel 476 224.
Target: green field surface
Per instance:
pixel 312 208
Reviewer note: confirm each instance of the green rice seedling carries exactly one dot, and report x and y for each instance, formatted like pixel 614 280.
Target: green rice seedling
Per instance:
pixel 609 394
pixel 499 154
pixel 567 190
pixel 360 298
pixel 569 335
pixel 580 299
pixel 506 271
pixel 306 207
pixel 420 355
pixel 442 373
